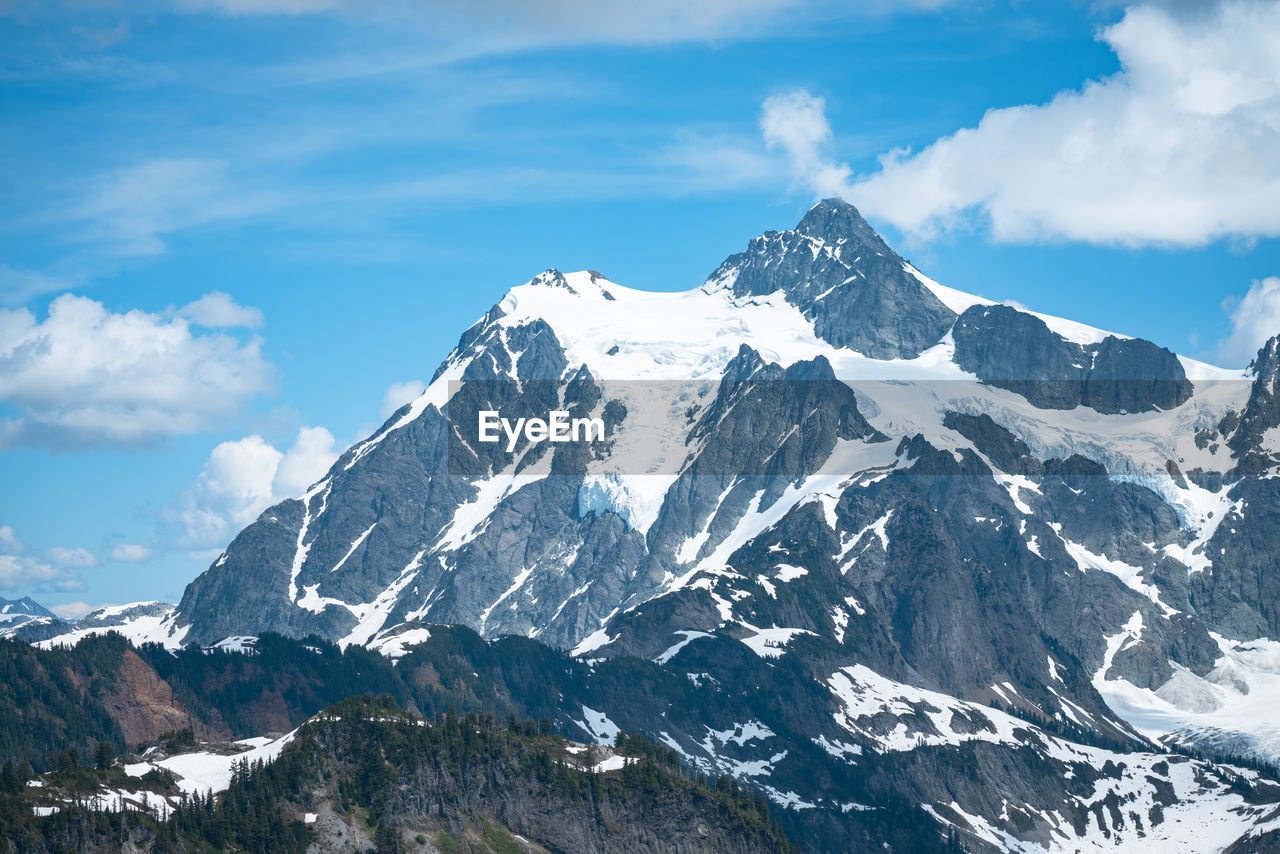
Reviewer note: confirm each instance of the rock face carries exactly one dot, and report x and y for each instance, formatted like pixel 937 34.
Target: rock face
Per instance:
pixel 801 489
pixel 846 280
pixel 1017 351
pixel 1254 435
pixel 144 706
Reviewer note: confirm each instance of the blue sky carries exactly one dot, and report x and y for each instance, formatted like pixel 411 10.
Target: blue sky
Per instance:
pixel 231 229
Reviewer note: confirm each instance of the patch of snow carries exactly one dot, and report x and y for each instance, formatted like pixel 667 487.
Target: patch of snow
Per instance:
pixel 689 637
pixel 243 644
pixel 360 539
pixel 636 499
pixel 205 771
pixel 395 644
pixel 787 572
pixel 924 716
pixel 771 642
pixel 598 726
pixel 613 763
pixel 597 639
pixel 1130 575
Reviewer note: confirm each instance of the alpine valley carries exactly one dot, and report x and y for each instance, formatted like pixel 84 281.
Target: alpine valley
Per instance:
pixel 920 570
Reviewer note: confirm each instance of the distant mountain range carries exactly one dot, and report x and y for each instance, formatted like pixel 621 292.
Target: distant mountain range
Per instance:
pixel 889 545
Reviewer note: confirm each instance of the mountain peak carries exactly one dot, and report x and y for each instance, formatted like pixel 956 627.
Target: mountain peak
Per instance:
pixel 25 606
pixel 1266 365
pixel 834 220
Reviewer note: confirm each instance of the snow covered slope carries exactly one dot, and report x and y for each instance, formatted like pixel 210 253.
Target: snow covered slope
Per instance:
pixel 139 622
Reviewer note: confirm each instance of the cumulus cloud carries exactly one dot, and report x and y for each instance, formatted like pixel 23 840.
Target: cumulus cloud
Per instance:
pixel 306 461
pixel 242 478
pixel 72 610
pixel 65 557
pixel 1176 149
pixel 87 376
pixel 1255 318
pixel 398 394
pixel 217 310
pixel 21 573
pixel 24 573
pixel 9 542
pixel 796 123
pixel 130 553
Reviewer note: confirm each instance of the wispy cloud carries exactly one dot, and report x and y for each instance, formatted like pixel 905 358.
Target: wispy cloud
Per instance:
pixel 67 557
pixel 130 553
pixel 20 286
pixel 398 394
pixel 523 25
pixel 131 210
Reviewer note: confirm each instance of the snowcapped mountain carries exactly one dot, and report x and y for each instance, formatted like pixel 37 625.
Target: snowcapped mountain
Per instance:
pixel 18 612
pixel 900 544
pixel 140 622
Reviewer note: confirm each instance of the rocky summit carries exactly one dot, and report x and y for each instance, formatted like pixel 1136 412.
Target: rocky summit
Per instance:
pixel 883 548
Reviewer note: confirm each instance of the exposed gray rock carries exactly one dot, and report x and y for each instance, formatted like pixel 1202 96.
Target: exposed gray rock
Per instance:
pixel 844 278
pixel 1014 350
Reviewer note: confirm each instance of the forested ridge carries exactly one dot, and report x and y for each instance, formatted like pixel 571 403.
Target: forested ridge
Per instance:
pixel 460 782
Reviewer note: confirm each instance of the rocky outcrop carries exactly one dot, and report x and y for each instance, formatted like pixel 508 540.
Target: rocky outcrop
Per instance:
pixel 1248 432
pixel 846 279
pixel 145 707
pixel 1017 351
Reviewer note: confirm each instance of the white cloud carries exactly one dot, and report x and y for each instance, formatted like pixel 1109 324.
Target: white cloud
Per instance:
pixel 797 123
pixel 72 610
pixel 306 461
pixel 1255 318
pixel 130 553
pixel 1178 148
pixel 517 23
pixel 129 210
pixel 9 542
pixel 89 376
pixel 25 573
pixel 18 286
pixel 242 478
pixel 217 309
pixel 260 7
pixel 66 557
pixel 398 394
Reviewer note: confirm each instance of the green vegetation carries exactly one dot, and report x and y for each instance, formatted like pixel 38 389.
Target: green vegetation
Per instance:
pixel 373 760
pixel 47 702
